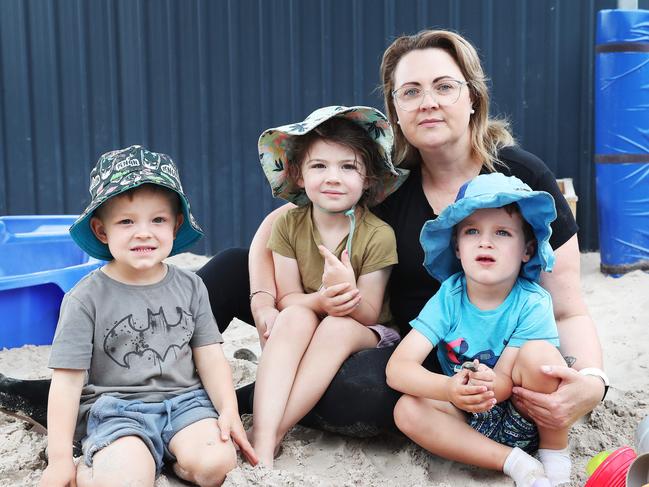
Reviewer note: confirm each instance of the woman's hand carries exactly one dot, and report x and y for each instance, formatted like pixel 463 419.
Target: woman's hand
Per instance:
pixel 469 398
pixel 339 299
pixel 336 271
pixel 576 395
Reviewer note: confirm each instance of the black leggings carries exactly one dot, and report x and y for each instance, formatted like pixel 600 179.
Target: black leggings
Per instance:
pixel 358 401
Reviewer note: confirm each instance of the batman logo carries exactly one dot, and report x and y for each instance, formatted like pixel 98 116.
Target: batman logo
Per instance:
pixel 158 337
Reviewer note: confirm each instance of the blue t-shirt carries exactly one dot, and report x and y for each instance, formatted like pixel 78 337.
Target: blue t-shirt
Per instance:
pixel 462 332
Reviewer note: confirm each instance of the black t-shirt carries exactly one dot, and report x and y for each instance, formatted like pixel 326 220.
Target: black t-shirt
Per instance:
pixel 407 210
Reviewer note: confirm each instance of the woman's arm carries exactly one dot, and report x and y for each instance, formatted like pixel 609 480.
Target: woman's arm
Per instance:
pixel 262 275
pixel 577 394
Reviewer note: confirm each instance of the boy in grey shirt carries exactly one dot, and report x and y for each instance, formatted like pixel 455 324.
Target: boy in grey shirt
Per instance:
pixel 138 365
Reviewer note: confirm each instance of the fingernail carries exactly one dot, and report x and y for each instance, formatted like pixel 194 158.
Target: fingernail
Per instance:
pixel 546 368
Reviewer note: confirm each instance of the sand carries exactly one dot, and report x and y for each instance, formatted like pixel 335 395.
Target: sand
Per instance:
pixel 620 308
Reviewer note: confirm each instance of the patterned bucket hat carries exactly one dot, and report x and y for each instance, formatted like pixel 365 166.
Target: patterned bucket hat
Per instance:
pixel 490 191
pixel 120 170
pixel 274 157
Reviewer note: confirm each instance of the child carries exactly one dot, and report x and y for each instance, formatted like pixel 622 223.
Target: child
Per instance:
pixel 137 342
pixel 332 259
pixel 493 326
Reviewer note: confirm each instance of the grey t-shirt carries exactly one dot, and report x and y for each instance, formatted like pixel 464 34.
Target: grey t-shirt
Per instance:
pixel 134 341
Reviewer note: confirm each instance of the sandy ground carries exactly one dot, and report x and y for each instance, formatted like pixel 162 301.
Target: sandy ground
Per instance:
pixel 620 308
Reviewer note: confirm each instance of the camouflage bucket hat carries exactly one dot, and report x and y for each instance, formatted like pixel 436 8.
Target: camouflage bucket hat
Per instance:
pixel 120 170
pixel 274 157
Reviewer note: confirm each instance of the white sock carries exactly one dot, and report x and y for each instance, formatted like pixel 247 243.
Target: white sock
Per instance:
pixel 525 469
pixel 557 465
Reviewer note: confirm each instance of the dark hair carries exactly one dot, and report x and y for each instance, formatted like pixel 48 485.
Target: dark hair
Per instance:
pixel 349 134
pixel 171 195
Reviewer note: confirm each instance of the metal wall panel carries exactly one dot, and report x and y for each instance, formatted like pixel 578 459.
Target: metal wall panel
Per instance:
pixel 201 79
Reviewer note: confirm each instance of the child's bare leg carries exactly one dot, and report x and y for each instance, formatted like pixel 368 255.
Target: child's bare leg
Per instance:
pixel 201 456
pixel 441 428
pixel 333 342
pixel 284 349
pixel 553 451
pixel 526 372
pixel 126 461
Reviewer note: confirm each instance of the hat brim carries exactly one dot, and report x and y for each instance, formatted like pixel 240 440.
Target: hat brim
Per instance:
pixel 80 231
pixel 537 208
pixel 274 158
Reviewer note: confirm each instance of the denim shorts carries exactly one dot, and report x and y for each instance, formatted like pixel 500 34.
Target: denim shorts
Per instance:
pixel 504 424
pixel 155 423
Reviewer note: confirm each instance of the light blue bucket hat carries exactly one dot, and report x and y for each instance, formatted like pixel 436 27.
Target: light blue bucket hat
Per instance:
pixel 274 156
pixel 490 191
pixel 120 170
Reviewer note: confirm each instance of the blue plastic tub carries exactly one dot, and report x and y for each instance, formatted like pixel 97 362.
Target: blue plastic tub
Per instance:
pixel 39 262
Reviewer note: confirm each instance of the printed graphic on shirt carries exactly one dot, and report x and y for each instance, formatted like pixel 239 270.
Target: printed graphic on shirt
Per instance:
pixel 157 337
pixel 456 352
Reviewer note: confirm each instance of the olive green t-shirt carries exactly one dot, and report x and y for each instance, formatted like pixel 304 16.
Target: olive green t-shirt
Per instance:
pixel 373 247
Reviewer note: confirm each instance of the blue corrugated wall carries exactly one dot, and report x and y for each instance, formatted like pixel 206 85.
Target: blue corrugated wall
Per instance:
pixel 200 80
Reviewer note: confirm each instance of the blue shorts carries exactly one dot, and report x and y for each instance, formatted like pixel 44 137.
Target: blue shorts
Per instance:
pixel 155 423
pixel 504 424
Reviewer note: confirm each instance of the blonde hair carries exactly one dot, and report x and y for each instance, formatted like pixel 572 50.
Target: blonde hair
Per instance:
pixel 488 135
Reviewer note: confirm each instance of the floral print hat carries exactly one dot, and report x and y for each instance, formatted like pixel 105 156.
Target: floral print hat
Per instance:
pixel 120 170
pixel 274 156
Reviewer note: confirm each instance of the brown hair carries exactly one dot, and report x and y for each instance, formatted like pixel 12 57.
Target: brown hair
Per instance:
pixel 349 134
pixel 488 135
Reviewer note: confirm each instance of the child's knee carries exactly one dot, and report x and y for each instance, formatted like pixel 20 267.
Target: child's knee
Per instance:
pixel 527 368
pixel 407 414
pixel 208 469
pixel 295 319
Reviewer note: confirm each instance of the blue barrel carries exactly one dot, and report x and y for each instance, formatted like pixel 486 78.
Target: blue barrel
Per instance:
pixel 622 139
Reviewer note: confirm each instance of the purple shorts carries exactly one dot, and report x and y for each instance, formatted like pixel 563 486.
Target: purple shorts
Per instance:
pixel 387 336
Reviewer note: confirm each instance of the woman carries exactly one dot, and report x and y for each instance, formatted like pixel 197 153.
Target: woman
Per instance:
pixel 437 101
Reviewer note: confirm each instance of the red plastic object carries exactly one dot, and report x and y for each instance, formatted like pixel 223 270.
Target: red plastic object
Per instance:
pixel 612 471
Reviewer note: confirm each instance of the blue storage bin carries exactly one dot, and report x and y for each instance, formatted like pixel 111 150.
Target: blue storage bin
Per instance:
pixel 39 262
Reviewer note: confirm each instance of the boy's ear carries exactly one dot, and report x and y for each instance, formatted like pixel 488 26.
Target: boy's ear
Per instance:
pixel 180 219
pixel 530 248
pixel 300 182
pixel 97 227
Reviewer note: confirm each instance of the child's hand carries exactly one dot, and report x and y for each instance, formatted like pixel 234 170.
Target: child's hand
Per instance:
pixel 231 428
pixel 483 376
pixel 62 473
pixel 339 299
pixel 469 398
pixel 336 271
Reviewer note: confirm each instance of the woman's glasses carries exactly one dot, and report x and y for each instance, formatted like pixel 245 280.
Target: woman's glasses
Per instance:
pixel 445 92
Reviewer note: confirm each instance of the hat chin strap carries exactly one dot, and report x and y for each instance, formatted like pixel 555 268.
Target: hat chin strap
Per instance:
pixel 351 214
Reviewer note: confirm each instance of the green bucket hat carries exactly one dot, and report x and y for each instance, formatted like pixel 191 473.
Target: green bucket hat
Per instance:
pixel 274 157
pixel 120 170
